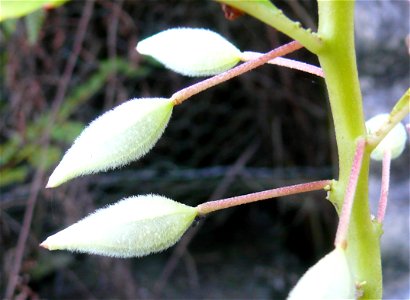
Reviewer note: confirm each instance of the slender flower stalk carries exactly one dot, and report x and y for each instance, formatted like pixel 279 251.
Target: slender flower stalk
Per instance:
pixel 384 193
pixel 342 229
pixel 211 206
pixel 285 62
pixel 194 89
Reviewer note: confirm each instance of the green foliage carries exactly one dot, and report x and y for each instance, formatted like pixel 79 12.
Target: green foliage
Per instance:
pixel 19 154
pixel 33 23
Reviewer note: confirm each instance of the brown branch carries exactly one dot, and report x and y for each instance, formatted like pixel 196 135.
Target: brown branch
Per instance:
pixel 182 246
pixel 39 175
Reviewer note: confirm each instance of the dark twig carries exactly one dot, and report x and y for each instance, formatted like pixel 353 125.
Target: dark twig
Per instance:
pixel 112 52
pixel 182 246
pixel 39 175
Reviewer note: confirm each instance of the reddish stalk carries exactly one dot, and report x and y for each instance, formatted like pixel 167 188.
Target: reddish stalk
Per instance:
pixel 286 62
pixel 342 229
pixel 384 192
pixel 211 206
pixel 194 89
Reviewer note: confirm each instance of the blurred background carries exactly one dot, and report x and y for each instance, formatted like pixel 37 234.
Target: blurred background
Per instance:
pixel 63 67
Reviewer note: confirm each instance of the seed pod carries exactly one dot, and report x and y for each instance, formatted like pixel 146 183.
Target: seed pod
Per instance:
pixel 329 278
pixel 191 51
pixel 119 136
pixel 134 226
pixel 394 141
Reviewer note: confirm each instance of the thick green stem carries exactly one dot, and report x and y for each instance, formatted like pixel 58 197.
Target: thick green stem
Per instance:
pixel 268 13
pixel 338 61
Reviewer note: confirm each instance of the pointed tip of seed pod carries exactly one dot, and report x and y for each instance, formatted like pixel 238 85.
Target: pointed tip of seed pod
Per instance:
pixel 119 136
pixel 45 245
pixel 52 182
pixel 61 174
pixel 49 185
pixel 133 227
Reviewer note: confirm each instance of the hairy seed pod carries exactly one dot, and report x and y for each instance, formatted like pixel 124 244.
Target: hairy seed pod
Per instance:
pixel 134 226
pixel 394 141
pixel 116 138
pixel 329 278
pixel 191 51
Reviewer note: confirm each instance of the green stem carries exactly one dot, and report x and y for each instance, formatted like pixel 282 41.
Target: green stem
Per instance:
pixel 338 61
pixel 266 12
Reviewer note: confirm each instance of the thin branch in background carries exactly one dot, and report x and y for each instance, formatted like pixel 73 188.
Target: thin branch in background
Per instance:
pixel 113 20
pixel 192 271
pixel 344 220
pixel 384 192
pixel 182 245
pixel 39 175
pixel 35 188
pixel 303 14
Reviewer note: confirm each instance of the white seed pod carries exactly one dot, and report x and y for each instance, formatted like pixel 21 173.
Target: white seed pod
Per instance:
pixel 191 51
pixel 329 278
pixel 394 141
pixel 117 137
pixel 134 226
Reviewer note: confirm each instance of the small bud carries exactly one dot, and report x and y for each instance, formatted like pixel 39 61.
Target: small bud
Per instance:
pixel 191 51
pixel 119 136
pixel 394 141
pixel 329 278
pixel 134 226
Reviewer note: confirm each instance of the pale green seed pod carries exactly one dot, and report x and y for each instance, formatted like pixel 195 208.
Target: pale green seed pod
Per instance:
pixel 191 51
pixel 329 278
pixel 394 141
pixel 134 226
pixel 116 138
